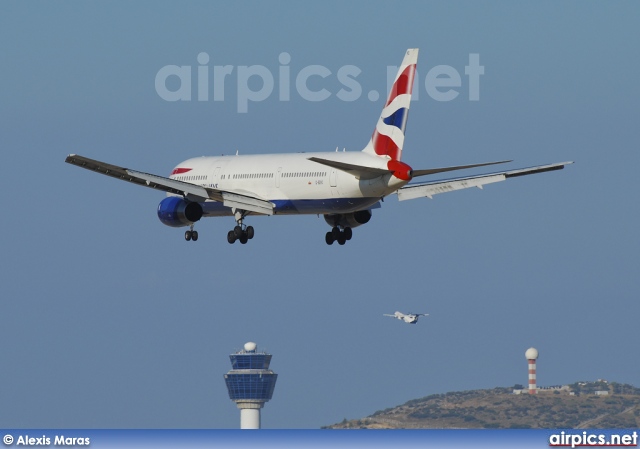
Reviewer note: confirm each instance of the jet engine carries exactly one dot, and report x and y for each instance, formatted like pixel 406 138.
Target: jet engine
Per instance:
pixel 350 220
pixel 177 212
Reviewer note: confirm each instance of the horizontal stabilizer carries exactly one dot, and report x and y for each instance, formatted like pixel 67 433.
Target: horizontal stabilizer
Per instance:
pixel 359 171
pixel 364 172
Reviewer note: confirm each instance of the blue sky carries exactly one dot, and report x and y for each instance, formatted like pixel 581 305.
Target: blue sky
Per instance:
pixel 112 320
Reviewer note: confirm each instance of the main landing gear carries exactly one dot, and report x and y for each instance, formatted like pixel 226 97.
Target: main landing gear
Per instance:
pixel 240 231
pixel 244 235
pixel 191 234
pixel 336 235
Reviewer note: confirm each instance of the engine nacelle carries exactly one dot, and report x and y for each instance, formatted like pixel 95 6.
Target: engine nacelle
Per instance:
pixel 350 220
pixel 176 212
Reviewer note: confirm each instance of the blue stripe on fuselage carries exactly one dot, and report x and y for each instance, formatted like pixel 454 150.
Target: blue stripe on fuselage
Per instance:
pixel 292 207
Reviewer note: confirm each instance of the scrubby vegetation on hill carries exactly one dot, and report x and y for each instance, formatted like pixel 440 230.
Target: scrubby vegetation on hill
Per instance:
pixel 580 405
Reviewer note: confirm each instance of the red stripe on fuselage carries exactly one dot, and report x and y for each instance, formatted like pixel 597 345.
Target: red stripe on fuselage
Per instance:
pixel 179 171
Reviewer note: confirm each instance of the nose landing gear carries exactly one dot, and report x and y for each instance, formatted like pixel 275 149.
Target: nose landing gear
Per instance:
pixel 191 234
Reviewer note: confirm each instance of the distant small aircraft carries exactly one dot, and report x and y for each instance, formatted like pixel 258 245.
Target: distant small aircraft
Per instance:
pixel 411 318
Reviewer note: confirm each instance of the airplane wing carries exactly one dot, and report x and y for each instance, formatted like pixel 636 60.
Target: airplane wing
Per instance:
pixel 428 189
pixel 432 171
pixel 191 192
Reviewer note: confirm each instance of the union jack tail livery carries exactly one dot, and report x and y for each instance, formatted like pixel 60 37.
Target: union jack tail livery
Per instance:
pixel 388 137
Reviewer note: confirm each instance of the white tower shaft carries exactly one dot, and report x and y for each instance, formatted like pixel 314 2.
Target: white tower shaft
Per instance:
pixel 249 418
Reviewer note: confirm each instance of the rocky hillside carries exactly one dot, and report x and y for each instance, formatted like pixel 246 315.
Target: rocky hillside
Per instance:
pixel 581 405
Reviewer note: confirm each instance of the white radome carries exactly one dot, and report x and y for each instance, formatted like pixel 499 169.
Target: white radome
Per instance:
pixel 531 354
pixel 251 346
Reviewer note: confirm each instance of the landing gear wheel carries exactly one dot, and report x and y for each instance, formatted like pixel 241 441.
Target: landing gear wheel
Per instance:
pixel 329 238
pixel 335 232
pixel 194 235
pixel 188 236
pixel 348 233
pixel 341 239
pixel 240 231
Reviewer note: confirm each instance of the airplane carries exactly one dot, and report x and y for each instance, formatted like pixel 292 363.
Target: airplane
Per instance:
pixel 410 318
pixel 344 186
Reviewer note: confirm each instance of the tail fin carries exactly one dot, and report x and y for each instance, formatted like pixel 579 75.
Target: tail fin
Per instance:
pixel 388 137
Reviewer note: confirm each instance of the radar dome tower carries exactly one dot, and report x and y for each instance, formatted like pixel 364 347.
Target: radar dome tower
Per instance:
pixel 250 383
pixel 532 356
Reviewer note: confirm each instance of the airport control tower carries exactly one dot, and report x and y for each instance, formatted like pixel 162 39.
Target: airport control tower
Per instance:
pixel 250 383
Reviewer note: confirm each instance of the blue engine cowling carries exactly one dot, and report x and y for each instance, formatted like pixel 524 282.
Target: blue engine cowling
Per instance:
pixel 176 212
pixel 350 220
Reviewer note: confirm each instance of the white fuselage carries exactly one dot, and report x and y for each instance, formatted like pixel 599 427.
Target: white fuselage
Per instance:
pixel 292 182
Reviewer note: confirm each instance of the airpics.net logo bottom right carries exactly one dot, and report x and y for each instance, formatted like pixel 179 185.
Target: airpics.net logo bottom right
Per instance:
pixel 257 83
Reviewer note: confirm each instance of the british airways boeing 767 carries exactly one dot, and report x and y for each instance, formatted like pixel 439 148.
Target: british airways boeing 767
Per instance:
pixel 344 187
